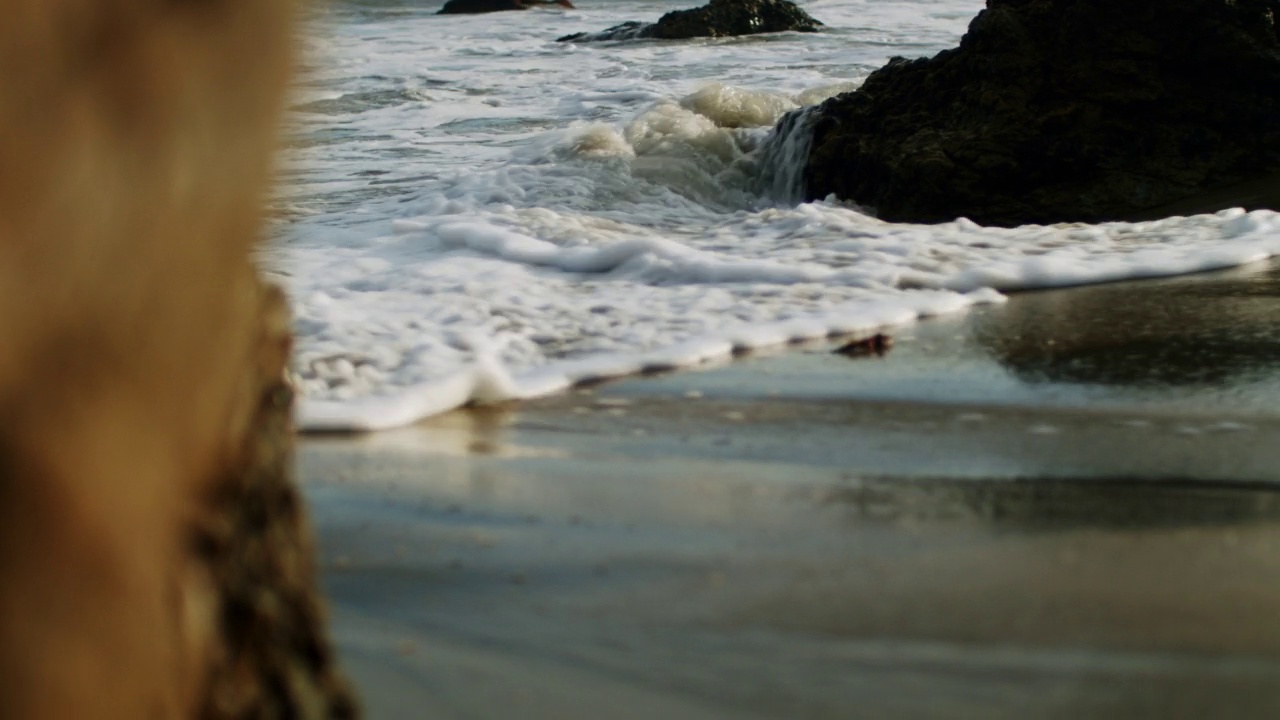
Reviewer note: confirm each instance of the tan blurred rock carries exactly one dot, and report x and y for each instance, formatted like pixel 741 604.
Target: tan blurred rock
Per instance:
pixel 154 560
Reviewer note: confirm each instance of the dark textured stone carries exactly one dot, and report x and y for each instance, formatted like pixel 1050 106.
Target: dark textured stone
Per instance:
pixel 474 7
pixel 1062 110
pixel 629 30
pixel 719 18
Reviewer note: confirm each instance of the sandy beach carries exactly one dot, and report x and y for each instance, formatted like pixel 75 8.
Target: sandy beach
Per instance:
pixel 1063 506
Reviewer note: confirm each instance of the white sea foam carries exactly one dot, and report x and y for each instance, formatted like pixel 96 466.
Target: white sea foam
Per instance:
pixel 485 215
pixel 733 107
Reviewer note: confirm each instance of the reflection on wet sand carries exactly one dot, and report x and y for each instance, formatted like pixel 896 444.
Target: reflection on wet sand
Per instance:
pixel 1042 504
pixel 1153 334
pixel 477 431
pixel 592 584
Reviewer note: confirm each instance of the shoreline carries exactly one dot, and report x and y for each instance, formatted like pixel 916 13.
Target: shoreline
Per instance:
pixel 1067 504
pixel 487 382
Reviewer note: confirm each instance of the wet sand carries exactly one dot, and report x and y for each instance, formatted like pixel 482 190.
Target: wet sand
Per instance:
pixel 1065 506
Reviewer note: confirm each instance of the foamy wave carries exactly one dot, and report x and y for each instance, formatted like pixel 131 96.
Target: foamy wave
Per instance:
pixel 488 381
pixel 480 309
pixel 735 107
pixel 489 215
pixel 717 146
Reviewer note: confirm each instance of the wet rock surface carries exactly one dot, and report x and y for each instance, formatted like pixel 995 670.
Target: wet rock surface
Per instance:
pixel 475 7
pixel 1062 110
pixel 719 18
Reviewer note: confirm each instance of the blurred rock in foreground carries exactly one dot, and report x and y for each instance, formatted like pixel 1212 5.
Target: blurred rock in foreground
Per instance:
pixel 154 561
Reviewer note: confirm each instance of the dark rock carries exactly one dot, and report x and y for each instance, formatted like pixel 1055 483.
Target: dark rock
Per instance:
pixel 472 7
pixel 1062 110
pixel 630 30
pixel 272 656
pixel 719 18
pixel 722 18
pixel 877 345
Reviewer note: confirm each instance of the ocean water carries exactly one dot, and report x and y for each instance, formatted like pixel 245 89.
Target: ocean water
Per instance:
pixel 472 212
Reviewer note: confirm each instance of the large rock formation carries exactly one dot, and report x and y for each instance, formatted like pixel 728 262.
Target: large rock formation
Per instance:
pixel 719 18
pixel 475 7
pixel 1062 110
pixel 154 559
